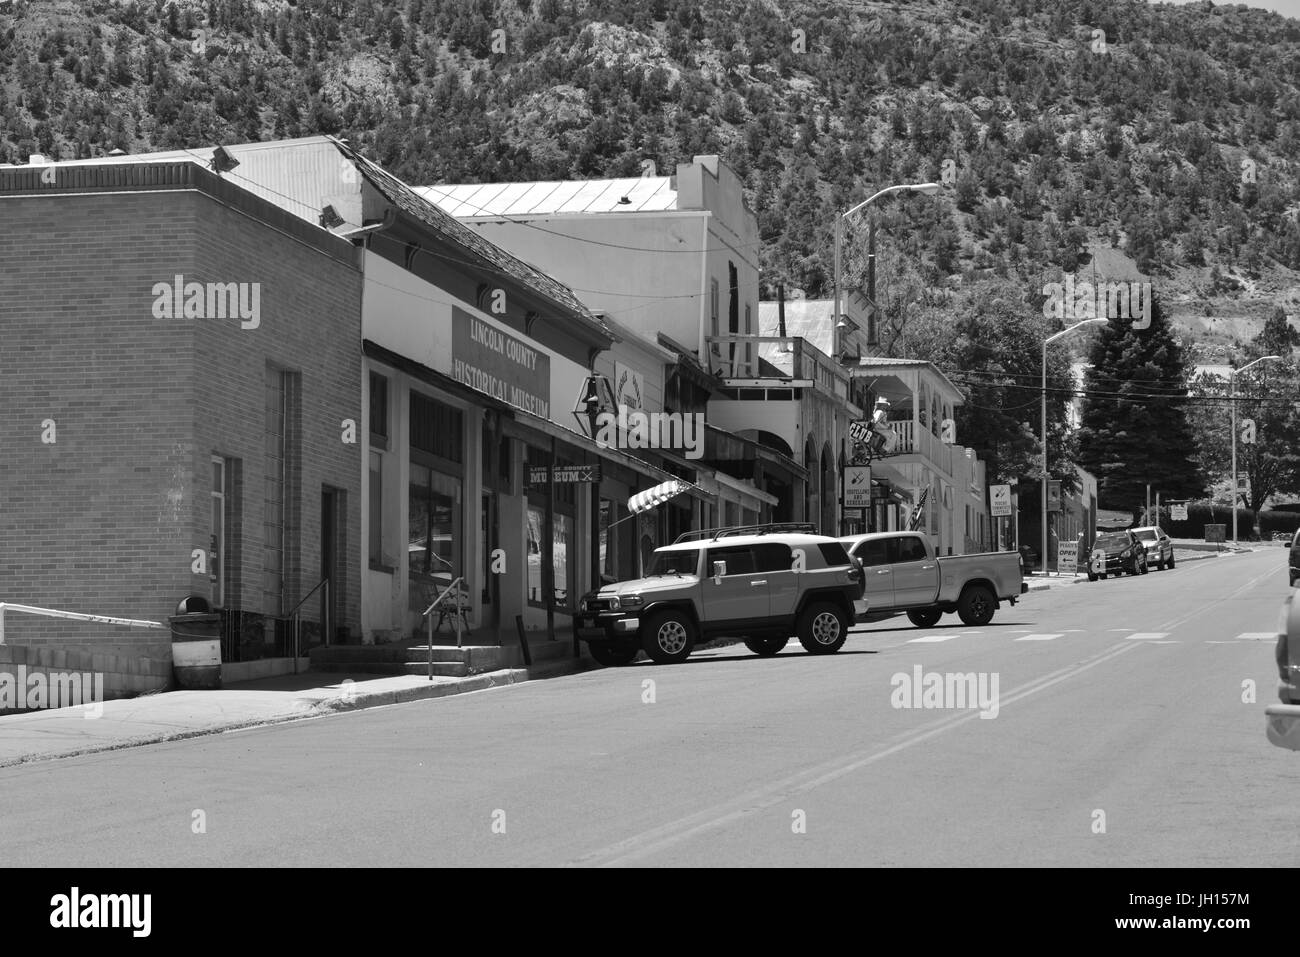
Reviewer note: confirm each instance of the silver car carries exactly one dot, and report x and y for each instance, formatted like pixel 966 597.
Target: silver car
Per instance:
pixel 1160 547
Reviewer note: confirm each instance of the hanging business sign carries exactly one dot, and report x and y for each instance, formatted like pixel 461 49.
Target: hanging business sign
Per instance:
pixel 999 500
pixel 1178 513
pixel 494 362
pixel 857 486
pixel 860 430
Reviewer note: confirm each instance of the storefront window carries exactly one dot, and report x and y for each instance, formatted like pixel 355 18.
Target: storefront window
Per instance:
pixel 435 541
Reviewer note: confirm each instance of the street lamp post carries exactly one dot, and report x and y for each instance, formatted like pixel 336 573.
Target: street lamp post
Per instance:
pixel 927 189
pixel 1232 399
pixel 1043 443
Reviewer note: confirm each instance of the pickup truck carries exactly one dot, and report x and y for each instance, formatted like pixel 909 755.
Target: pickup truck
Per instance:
pixel 903 575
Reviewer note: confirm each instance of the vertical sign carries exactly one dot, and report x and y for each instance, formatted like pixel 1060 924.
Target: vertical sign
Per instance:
pixel 999 500
pixel 857 486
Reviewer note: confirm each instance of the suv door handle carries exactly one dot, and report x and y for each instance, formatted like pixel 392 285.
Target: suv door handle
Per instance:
pixel 883 571
pixel 762 582
pixel 924 567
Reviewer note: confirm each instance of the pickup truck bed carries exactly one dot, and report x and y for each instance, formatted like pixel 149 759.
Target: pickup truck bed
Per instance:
pixel 904 576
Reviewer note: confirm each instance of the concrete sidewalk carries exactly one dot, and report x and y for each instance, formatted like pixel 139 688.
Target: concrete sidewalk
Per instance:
pixel 173 715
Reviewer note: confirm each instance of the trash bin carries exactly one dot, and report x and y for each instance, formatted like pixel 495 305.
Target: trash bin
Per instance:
pixel 196 645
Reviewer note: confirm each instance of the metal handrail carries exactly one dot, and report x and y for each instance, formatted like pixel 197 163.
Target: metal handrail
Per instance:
pixel 297 620
pixel 72 615
pixel 293 611
pixel 454 588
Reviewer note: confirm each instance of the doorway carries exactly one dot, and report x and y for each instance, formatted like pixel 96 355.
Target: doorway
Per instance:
pixel 330 555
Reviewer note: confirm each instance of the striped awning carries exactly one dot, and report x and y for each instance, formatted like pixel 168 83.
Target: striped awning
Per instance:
pixel 653 497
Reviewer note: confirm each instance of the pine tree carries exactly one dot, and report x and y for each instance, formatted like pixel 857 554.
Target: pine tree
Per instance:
pixel 1135 429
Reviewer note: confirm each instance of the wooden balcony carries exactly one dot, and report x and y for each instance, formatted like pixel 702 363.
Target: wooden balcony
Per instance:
pixel 774 362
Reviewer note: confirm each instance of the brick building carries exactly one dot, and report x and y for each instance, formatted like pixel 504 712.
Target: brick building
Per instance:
pixel 180 360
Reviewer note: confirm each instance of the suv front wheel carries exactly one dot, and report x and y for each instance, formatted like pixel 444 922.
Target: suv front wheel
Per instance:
pixel 668 637
pixel 822 628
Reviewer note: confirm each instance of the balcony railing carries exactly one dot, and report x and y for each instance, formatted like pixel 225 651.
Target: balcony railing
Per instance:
pixel 792 357
pixel 921 441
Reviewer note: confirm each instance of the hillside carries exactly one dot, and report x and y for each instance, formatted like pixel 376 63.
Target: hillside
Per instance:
pixel 1171 144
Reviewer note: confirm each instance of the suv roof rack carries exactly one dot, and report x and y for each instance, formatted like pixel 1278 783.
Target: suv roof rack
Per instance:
pixel 807 528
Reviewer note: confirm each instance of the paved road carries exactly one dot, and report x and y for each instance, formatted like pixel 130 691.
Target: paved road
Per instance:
pixel 1122 697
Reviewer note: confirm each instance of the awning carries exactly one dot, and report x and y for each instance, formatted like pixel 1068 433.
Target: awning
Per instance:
pixel 654 497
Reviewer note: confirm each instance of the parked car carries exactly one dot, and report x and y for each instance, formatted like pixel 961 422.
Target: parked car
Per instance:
pixel 1115 552
pixel 1159 546
pixel 1293 558
pixel 903 575
pixel 1282 721
pixel 762 583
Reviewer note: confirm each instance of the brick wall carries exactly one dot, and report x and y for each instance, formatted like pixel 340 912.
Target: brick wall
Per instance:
pixel 104 519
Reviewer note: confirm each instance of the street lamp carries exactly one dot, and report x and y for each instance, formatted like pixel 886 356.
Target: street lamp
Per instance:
pixel 1043 490
pixel 926 189
pixel 1232 398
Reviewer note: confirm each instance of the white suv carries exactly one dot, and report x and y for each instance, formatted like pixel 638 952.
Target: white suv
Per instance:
pixel 762 583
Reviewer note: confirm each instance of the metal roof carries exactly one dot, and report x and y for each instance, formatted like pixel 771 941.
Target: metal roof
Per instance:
pixel 407 199
pixel 644 194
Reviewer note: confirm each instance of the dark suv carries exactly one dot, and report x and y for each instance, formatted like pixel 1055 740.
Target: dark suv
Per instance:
pixel 1115 552
pixel 760 583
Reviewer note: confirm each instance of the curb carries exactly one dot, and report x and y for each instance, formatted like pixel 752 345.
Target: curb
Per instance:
pixel 340 704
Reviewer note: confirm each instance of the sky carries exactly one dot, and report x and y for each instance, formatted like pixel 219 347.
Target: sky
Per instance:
pixel 1288 8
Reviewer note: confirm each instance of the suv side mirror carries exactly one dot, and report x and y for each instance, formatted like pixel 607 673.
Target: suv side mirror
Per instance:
pixel 719 570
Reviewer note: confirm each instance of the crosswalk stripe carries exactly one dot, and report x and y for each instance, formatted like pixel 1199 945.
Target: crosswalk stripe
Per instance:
pixel 1041 637
pixel 1257 636
pixel 1148 635
pixel 930 639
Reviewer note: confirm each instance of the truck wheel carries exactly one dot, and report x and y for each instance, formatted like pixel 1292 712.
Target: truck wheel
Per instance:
pixel 668 638
pixel 1092 576
pixel 924 619
pixel 765 647
pixel 822 628
pixel 976 605
pixel 613 654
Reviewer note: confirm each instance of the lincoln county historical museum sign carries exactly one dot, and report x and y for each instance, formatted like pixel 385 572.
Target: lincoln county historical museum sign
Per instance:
pixel 505 367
